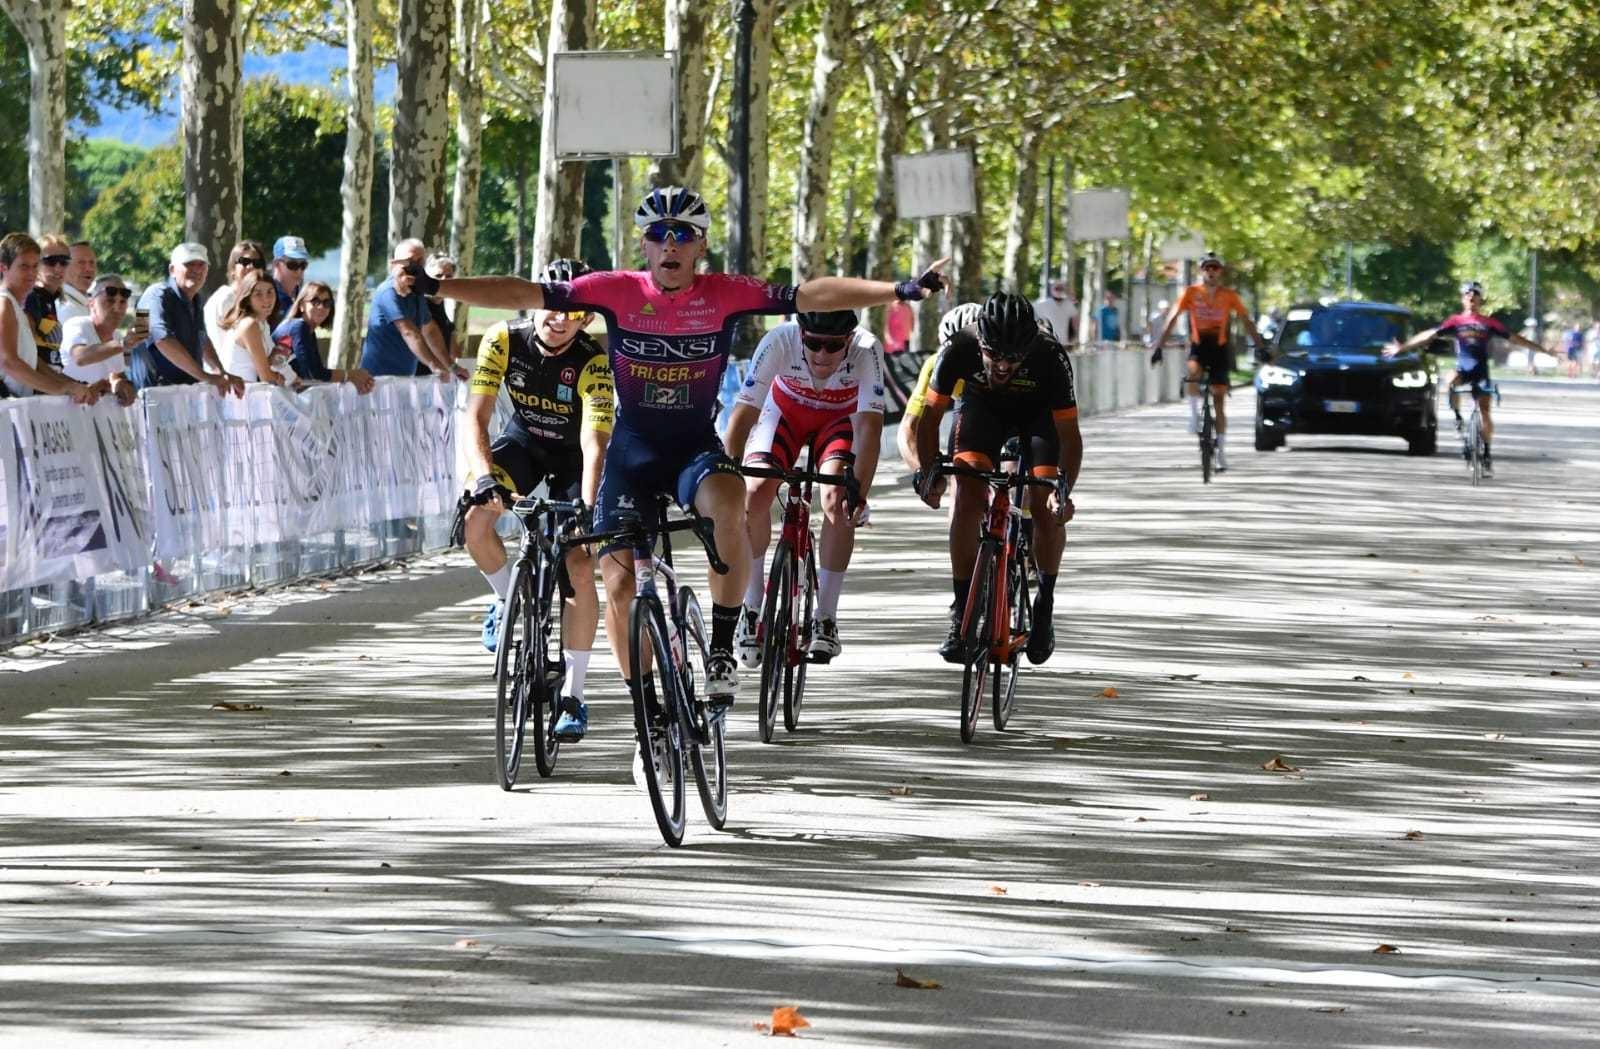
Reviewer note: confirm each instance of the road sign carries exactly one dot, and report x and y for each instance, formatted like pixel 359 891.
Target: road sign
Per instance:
pixel 616 104
pixel 1181 246
pixel 1099 214
pixel 928 185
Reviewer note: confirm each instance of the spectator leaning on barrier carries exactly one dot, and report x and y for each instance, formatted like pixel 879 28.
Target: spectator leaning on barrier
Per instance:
pixel 247 256
pixel 178 348
pixel 23 371
pixel 1110 324
pixel 297 336
pixel 400 330
pixel 54 255
pixel 76 289
pixel 247 349
pixel 92 351
pixel 1059 308
pixel 289 262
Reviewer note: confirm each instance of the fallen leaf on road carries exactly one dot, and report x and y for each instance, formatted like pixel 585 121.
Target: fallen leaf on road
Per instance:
pixel 1061 742
pixel 1408 675
pixel 1413 835
pixel 92 884
pixel 465 943
pixel 1497 736
pixel 1358 677
pixel 1190 939
pixel 1555 673
pixel 1199 797
pixel 1330 1009
pixel 1140 819
pixel 237 706
pixel 911 982
pixel 1385 948
pixel 1089 884
pixel 786 1020
pixel 998 890
pixel 305 819
pixel 382 864
pixel 152 870
pixel 286 772
pixel 1278 765
pixel 904 792
pixel 1108 693
pixel 1234 928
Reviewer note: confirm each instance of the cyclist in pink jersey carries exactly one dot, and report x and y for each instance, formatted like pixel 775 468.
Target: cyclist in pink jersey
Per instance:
pixel 815 382
pixel 671 330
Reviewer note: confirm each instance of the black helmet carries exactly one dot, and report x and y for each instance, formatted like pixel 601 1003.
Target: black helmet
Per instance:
pixel 828 322
pixel 1007 327
pixel 561 271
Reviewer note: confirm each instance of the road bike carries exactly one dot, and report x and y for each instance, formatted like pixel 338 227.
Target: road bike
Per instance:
pixel 528 653
pixel 998 615
pixel 791 586
pixel 1474 447
pixel 667 650
pixel 1208 431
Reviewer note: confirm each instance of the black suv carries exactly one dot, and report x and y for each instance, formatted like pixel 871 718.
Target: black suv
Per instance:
pixel 1327 374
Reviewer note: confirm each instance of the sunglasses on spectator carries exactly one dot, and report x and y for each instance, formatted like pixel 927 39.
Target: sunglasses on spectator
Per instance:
pixel 56 260
pixel 295 264
pixel 319 301
pixel 245 260
pixel 677 232
pixel 116 293
pixel 825 343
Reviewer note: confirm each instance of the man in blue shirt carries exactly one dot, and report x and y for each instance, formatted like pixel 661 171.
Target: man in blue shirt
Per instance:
pixel 400 329
pixel 289 262
pixel 178 348
pixel 1110 322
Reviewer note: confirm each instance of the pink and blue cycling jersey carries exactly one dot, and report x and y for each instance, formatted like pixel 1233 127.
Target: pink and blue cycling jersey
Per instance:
pixel 668 349
pixel 1472 333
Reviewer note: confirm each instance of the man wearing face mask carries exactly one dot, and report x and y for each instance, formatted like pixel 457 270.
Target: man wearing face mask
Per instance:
pixel 671 331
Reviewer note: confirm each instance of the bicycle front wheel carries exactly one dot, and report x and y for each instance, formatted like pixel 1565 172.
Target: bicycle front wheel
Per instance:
pixel 1019 621
pixel 1208 441
pixel 511 671
pixel 794 682
pixel 975 640
pixel 710 769
pixel 775 616
pixel 660 751
pixel 1475 447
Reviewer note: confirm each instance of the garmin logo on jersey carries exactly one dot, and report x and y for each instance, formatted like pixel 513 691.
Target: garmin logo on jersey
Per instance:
pixel 688 348
pixel 666 396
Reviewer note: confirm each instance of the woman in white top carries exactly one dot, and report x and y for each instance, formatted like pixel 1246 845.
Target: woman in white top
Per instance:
pixel 20 366
pixel 247 256
pixel 246 349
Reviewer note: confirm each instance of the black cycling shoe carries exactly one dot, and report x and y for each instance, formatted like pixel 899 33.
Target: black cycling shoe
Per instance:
pixel 1041 636
pixel 952 650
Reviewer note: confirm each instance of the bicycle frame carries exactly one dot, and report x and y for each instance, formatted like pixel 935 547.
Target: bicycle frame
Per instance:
pixel 1002 523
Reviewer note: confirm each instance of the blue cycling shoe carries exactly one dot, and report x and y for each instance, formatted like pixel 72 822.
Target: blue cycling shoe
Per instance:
pixel 574 720
pixel 491 626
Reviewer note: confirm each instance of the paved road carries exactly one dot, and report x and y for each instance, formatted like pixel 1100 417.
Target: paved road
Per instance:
pixel 338 870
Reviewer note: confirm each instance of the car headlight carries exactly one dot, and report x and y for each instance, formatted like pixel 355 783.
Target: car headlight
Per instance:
pixel 1411 380
pixel 1272 375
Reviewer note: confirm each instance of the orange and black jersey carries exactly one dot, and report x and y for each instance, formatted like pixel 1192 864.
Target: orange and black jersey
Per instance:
pixel 553 399
pixel 1041 383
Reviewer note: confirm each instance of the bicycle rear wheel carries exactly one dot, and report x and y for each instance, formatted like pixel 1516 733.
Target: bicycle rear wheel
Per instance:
pixel 794 681
pixel 975 638
pixel 1019 620
pixel 775 616
pixel 1475 446
pixel 1208 439
pixel 544 674
pixel 710 776
pixel 658 731
pixel 511 671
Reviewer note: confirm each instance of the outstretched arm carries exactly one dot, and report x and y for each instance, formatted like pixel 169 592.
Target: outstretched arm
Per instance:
pixel 500 293
pixel 851 293
pixel 1421 338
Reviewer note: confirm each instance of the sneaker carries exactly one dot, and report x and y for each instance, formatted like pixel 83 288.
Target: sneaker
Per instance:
pixel 722 680
pixel 574 720
pixel 747 637
pixel 491 626
pixel 824 639
pixel 1222 460
pixel 1488 465
pixel 952 650
pixel 658 745
pixel 1042 635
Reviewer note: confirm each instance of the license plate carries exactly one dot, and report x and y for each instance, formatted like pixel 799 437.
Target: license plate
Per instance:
pixel 1341 407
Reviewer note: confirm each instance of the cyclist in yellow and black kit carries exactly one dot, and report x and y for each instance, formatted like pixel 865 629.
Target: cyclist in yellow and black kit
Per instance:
pixel 558 381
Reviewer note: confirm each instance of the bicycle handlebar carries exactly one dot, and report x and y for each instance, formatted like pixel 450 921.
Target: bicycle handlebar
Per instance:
pixel 847 480
pixel 1000 477
pixel 635 530
pixel 532 506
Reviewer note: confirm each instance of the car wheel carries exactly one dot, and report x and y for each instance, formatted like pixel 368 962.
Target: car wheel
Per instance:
pixel 1423 442
pixel 1266 440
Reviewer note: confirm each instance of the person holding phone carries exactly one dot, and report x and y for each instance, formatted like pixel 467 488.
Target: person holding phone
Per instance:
pixel 92 349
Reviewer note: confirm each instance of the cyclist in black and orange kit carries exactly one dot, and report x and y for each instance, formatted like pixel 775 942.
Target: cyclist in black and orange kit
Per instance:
pixel 1210 306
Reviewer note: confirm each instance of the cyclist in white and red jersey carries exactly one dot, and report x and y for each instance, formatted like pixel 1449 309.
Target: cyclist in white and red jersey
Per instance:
pixel 671 330
pixel 814 382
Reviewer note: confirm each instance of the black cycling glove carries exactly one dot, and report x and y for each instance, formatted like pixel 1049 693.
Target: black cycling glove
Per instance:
pixel 422 280
pixel 930 283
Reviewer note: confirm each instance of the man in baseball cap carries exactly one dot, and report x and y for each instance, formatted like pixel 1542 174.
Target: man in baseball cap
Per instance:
pixel 289 261
pixel 188 252
pixel 177 349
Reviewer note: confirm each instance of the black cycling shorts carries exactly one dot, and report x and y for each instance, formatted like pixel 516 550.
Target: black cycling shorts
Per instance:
pixel 1216 361
pixel 520 464
pixel 981 432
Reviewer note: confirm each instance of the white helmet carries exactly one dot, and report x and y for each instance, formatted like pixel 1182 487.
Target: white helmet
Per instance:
pixel 673 204
pixel 960 317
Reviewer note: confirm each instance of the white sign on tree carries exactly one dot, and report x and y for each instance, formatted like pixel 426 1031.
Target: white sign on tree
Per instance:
pixel 1181 246
pixel 1099 214
pixel 928 185
pixel 616 104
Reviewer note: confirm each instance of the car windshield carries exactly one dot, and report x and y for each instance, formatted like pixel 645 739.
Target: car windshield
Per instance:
pixel 1343 329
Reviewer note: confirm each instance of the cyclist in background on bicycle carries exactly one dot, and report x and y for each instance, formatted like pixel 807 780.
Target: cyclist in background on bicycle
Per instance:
pixel 1209 306
pixel 559 385
pixel 1016 381
pixel 954 320
pixel 1472 331
pixel 814 382
pixel 671 331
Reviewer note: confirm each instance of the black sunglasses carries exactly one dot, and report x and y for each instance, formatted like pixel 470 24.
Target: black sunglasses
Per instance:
pixel 677 232
pixel 295 264
pixel 320 302
pixel 116 293
pixel 245 260
pixel 825 343
pixel 56 260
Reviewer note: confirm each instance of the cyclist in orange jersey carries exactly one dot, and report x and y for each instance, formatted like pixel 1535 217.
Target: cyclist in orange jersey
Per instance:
pixel 1210 307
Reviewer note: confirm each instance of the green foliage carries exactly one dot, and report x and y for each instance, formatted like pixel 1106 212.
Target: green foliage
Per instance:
pixel 135 222
pixel 294 162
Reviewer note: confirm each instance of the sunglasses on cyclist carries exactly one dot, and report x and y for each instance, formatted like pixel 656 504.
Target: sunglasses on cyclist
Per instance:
pixel 56 260
pixel 570 315
pixel 825 343
pixel 296 264
pixel 677 232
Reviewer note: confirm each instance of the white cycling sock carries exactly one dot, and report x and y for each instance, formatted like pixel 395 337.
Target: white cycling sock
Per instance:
pixel 1194 410
pixel 829 584
pixel 757 585
pixel 500 581
pixel 1222 439
pixel 577 667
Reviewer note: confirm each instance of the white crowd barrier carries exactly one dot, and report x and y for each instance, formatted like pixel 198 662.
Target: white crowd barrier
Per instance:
pixel 108 511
